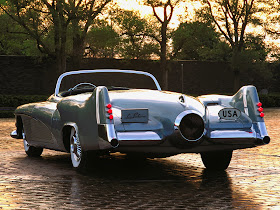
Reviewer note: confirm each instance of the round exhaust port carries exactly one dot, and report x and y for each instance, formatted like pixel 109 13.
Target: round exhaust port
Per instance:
pixel 192 127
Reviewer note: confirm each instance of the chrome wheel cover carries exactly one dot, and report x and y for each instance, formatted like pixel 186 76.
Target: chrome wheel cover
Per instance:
pixel 25 143
pixel 75 148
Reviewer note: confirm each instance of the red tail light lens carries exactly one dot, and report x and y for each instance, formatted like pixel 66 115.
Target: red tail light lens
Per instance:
pixel 111 117
pixel 110 111
pixel 109 106
pixel 260 109
pixel 262 114
pixel 259 104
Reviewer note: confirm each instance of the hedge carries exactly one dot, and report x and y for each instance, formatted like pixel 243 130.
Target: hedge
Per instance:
pixel 17 100
pixel 270 100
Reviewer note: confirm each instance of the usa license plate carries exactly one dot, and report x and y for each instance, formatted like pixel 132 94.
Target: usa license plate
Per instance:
pixel 229 114
pixel 135 115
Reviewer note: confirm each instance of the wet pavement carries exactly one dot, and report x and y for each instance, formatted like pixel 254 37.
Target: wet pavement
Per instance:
pixel 252 180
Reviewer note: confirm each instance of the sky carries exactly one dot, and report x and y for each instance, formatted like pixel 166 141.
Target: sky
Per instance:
pixel 146 10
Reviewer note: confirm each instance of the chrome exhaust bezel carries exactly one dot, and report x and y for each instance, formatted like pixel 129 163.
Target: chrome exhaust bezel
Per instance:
pixel 179 119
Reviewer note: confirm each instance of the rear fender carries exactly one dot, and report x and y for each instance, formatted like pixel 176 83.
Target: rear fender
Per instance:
pixel 106 128
pixel 247 100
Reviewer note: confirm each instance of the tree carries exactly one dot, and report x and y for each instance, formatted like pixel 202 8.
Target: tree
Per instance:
pixel 14 40
pixel 271 25
pixel 231 17
pixel 42 18
pixel 198 41
pixel 102 40
pixel 84 13
pixel 135 33
pixel 168 9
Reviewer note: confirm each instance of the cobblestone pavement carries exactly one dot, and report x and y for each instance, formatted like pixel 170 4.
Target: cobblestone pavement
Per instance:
pixel 252 180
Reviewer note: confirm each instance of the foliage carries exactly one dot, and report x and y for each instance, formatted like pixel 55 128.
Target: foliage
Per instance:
pixel 231 18
pixel 270 100
pixel 48 23
pixel 167 7
pixel 14 40
pixel 14 101
pixel 17 100
pixel 135 33
pixel 102 40
pixel 198 41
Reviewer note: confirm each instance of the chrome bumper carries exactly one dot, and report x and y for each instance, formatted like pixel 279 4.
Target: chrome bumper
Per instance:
pixel 257 135
pixel 14 134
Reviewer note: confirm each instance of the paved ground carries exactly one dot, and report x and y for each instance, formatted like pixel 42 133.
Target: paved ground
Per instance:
pixel 180 182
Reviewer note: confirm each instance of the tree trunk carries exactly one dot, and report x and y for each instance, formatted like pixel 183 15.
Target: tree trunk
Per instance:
pixel 78 46
pixel 163 60
pixel 235 69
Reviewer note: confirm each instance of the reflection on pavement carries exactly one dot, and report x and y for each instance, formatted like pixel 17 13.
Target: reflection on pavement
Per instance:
pixel 114 182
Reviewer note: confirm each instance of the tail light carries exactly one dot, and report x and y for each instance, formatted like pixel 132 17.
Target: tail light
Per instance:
pixel 260 109
pixel 109 111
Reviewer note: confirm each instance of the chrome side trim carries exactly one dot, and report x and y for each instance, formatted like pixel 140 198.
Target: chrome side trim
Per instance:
pixel 97 106
pixel 57 87
pixel 231 134
pixel 139 136
pixel 262 127
pixel 245 101
pixel 111 133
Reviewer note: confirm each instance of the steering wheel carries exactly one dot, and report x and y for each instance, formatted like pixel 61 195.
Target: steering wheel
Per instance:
pixel 84 83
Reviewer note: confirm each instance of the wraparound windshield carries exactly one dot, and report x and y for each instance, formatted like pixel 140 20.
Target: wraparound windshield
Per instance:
pixel 107 77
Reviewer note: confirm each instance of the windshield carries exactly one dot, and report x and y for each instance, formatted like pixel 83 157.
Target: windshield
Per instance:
pixel 112 79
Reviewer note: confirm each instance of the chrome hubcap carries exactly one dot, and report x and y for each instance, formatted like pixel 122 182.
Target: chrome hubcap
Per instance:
pixel 25 143
pixel 75 147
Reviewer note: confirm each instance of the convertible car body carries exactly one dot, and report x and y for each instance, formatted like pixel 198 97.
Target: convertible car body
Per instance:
pixel 88 119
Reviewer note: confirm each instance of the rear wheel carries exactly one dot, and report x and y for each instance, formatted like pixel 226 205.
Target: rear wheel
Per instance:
pixel 75 149
pixel 31 151
pixel 218 160
pixel 79 157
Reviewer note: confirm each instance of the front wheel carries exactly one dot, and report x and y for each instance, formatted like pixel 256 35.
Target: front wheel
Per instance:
pixel 30 150
pixel 218 160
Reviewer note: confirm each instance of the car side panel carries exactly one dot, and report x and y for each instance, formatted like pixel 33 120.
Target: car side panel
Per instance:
pixel 37 123
pixel 81 111
pixel 37 133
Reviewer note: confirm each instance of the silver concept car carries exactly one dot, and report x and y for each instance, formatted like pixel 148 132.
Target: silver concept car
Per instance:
pixel 88 120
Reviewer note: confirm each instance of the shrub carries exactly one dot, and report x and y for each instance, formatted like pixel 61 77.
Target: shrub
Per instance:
pixel 17 100
pixel 270 100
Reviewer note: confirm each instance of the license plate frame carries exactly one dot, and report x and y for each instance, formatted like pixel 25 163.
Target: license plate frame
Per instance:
pixel 229 114
pixel 135 115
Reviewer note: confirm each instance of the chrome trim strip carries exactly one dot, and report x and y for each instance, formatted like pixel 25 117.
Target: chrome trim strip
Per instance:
pixel 262 127
pixel 103 71
pixel 231 134
pixel 97 106
pixel 139 136
pixel 111 133
pixel 245 101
